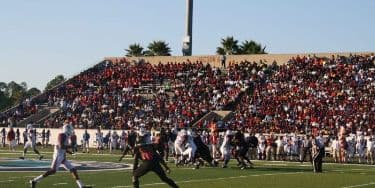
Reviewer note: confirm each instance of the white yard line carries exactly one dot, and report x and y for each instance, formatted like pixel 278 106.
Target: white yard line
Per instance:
pixel 212 179
pixel 275 164
pixel 3 181
pixel 360 185
pixel 57 184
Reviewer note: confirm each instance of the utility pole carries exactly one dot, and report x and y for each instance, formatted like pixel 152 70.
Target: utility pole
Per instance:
pixel 187 44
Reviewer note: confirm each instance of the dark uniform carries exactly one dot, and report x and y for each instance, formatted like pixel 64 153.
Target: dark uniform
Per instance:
pixel 151 162
pixel 318 154
pixel 203 151
pixel 132 137
pixel 240 149
pixel 163 144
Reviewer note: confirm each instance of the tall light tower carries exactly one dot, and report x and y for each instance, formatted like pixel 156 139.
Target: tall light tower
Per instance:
pixel 187 43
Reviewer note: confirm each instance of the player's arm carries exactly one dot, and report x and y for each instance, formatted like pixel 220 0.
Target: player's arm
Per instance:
pixel 162 162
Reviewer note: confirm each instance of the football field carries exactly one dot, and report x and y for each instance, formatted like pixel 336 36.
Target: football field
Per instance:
pixel 263 175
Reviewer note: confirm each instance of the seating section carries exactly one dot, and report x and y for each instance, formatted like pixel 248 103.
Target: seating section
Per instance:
pixel 306 94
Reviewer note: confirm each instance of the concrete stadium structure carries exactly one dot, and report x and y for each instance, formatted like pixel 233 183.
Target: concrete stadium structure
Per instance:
pixel 215 59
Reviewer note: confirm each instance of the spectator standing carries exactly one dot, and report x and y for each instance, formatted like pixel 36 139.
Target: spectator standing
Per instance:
pixel 223 60
pixel 18 136
pixel 11 139
pixel 73 142
pixel 44 138
pixel 3 137
pixel 86 141
pixel 48 134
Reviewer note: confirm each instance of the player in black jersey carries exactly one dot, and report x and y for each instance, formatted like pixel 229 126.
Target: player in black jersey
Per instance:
pixel 241 147
pixel 151 161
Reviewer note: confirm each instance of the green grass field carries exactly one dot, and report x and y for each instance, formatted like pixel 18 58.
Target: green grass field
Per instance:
pixel 263 175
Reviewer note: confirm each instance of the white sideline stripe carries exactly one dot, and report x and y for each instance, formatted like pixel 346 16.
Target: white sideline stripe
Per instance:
pixel 361 185
pixel 275 164
pixel 213 179
pixel 57 184
pixel 3 181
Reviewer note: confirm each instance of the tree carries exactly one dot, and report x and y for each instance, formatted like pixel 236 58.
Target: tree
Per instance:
pixel 229 46
pixel 16 92
pixel 33 92
pixel 134 50
pixel 4 101
pixel 158 48
pixel 252 47
pixel 54 82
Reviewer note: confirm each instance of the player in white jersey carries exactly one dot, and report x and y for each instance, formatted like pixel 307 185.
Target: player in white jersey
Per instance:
pixel 262 147
pixel 335 149
pixel 31 141
pixel 280 143
pixel 370 150
pixel 351 148
pixel 360 147
pixel 191 148
pixel 59 157
pixel 114 141
pixel 226 148
pixel 179 145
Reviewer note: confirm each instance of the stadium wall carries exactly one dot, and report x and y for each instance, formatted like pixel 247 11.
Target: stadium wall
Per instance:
pixel 55 132
pixel 215 59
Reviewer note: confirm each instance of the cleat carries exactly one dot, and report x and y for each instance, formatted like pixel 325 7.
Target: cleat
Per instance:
pixel 23 158
pixel 87 186
pixel 32 183
pixel 41 157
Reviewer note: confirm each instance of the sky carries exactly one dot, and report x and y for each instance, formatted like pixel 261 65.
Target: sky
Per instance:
pixel 40 39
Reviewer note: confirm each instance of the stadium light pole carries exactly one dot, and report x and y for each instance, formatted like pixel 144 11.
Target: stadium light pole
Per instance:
pixel 187 42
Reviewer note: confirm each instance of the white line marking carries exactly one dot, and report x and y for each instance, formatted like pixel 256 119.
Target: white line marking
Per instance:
pixel 361 185
pixel 3 181
pixel 275 164
pixel 57 184
pixel 213 179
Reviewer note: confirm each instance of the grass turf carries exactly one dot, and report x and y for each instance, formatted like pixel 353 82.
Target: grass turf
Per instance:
pixel 264 175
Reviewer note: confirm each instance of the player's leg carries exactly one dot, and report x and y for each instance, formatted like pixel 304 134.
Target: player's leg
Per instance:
pixel 139 172
pixel 69 167
pixel 54 167
pixel 27 145
pixel 36 151
pixel 160 172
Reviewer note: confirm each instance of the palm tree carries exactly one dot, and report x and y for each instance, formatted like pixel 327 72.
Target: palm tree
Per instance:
pixel 158 48
pixel 252 47
pixel 229 46
pixel 134 50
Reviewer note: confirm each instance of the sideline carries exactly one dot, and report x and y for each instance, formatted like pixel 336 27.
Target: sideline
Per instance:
pixel 361 185
pixel 213 179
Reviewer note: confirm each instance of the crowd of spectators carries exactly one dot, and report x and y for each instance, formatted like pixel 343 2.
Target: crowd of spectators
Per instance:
pixel 308 94
pixel 304 95
pixel 126 95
